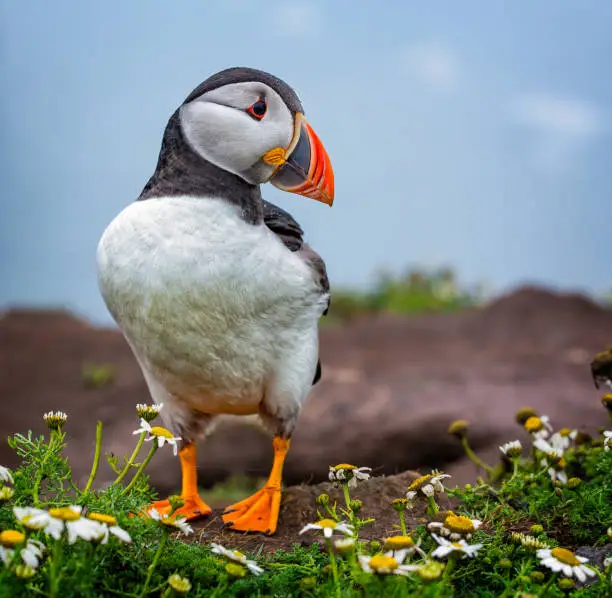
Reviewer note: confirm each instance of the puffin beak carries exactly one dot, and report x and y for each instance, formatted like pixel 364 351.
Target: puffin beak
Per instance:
pixel 304 167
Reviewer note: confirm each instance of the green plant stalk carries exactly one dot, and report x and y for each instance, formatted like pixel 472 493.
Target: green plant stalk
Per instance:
pixel 347 496
pixel 334 567
pixel 131 460
pixel 402 522
pixel 549 583
pixel 474 457
pixel 432 506
pixel 515 467
pixel 141 468
pixel 54 569
pixel 450 565
pixel 96 461
pixel 153 565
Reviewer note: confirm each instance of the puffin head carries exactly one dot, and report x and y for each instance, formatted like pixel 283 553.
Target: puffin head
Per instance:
pixel 252 124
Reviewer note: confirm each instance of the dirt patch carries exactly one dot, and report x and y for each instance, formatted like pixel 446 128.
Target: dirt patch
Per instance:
pixel 299 508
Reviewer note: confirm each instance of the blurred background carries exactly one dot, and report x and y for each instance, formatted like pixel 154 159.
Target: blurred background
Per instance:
pixel 466 248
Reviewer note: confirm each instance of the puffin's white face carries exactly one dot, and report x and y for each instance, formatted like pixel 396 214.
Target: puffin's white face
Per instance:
pixel 235 125
pixel 247 129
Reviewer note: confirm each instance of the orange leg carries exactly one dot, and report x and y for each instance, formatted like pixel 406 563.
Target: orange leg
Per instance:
pixel 259 513
pixel 194 506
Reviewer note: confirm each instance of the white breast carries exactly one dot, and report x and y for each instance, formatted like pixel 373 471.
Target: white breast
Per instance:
pixel 216 310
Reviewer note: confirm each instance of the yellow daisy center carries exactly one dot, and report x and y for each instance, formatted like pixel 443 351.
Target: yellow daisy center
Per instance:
pixel 534 424
pixel 343 466
pixel 459 524
pixel 330 523
pixel 565 556
pixel 398 542
pixel 457 545
pixel 564 432
pixel 64 513
pixel 108 519
pixel 11 537
pixel 419 482
pixel 238 554
pixel 380 561
pixel 159 431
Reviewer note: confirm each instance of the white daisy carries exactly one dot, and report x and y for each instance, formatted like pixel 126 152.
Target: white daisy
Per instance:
pixel 237 557
pixel 455 527
pixel 428 484
pixel 512 449
pixel 565 561
pixel 401 546
pixel 159 434
pixel 6 475
pixel 607 440
pixel 109 526
pixel 385 564
pixel 30 553
pixel 462 547
pixel 345 471
pixel 329 527
pixel 180 523
pixel 56 520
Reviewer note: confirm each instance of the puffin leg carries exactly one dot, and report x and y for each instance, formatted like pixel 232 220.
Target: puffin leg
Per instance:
pixel 194 506
pixel 259 513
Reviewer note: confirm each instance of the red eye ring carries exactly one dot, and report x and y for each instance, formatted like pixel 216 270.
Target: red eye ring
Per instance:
pixel 258 109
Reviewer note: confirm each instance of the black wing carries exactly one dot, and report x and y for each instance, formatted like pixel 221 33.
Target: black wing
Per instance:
pixel 291 234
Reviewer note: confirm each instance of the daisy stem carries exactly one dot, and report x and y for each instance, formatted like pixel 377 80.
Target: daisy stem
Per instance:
pixel 334 566
pixel 402 522
pixel 474 457
pixel 153 565
pixel 141 468
pixel 347 496
pixel 549 583
pixel 54 577
pixel 131 460
pixel 515 465
pixel 432 506
pixel 96 461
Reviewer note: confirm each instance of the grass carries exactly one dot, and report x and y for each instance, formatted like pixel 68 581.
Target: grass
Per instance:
pixel 501 520
pixel 417 291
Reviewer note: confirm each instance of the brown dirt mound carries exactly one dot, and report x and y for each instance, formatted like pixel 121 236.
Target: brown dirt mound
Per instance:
pixel 299 508
pixel 391 385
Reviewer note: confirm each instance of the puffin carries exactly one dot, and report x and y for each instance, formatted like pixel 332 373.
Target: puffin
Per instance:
pixel 214 289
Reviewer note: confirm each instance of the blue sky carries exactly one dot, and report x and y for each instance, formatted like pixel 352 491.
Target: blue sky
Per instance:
pixel 473 134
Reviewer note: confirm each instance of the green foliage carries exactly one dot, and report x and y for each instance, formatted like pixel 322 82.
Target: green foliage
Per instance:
pixel 417 291
pixel 96 376
pixel 518 497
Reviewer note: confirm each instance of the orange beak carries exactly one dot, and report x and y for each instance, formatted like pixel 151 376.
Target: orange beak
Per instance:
pixel 306 169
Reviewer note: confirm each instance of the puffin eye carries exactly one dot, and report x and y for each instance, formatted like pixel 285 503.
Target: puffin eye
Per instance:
pixel 258 109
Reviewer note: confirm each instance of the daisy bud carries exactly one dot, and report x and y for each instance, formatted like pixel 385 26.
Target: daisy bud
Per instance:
pixel 400 504
pixel 148 412
pixel 505 563
pixel 308 583
pixel 176 502
pixel 24 571
pixel 606 401
pixel 536 529
pixel 430 571
pixel 180 585
pixel 458 428
pixel 609 532
pixel 566 584
pixel 55 419
pixel 345 545
pixel 537 576
pixel 523 414
pixel 573 483
pixel 374 546
pixel 323 499
pixel 235 570
pixel 356 506
pixel 6 494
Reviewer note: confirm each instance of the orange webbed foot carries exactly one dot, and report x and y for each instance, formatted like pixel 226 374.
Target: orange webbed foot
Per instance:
pixel 257 513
